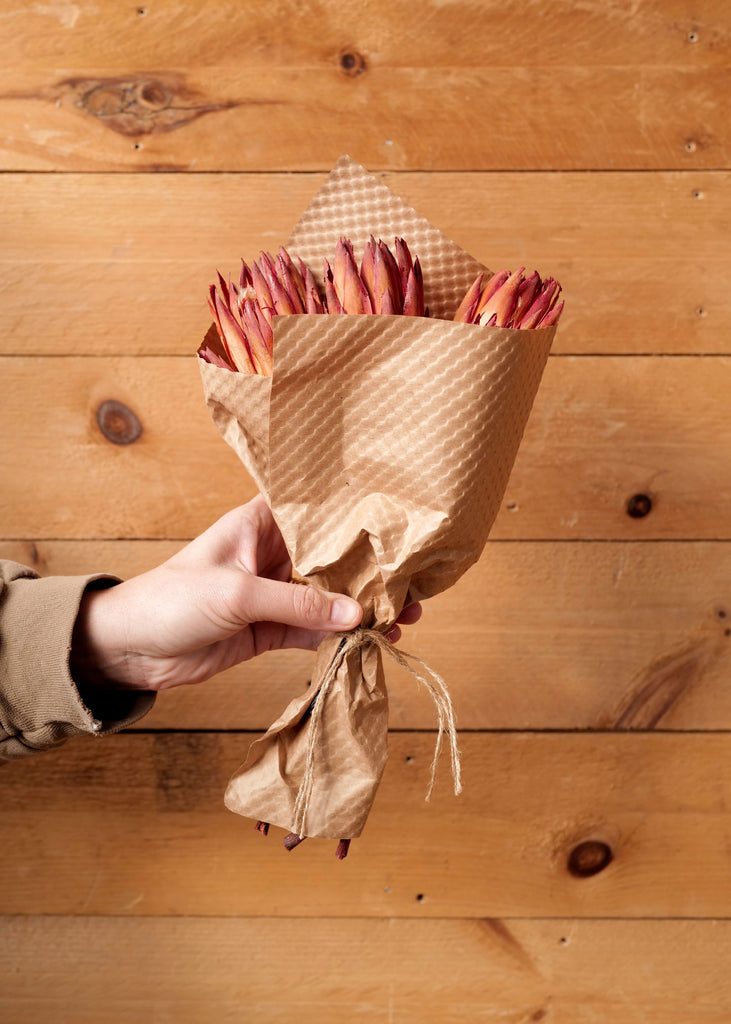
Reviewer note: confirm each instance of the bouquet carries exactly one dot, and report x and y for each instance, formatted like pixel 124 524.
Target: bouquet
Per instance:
pixel 383 444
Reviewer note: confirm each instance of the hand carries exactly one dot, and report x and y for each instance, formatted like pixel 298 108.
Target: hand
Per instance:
pixel 221 600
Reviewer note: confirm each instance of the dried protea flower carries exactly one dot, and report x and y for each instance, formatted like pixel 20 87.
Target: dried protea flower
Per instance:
pixel 244 311
pixel 384 283
pixel 511 300
pixel 272 286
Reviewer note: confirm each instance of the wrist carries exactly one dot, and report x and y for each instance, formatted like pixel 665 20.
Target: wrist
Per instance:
pixel 96 658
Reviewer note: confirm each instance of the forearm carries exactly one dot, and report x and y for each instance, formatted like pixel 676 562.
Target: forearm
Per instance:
pixel 41 704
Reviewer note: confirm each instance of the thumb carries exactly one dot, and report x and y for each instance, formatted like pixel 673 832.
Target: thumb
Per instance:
pixel 303 606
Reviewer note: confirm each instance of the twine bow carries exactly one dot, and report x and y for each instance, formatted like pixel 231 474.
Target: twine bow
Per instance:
pixel 434 685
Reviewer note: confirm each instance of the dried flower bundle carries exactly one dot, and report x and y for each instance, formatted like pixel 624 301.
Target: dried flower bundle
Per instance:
pixel 385 283
pixel 243 311
pixel 388 485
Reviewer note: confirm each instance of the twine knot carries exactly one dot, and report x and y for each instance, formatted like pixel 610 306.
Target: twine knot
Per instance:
pixel 431 681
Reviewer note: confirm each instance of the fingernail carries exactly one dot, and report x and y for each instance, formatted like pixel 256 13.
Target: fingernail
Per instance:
pixel 345 612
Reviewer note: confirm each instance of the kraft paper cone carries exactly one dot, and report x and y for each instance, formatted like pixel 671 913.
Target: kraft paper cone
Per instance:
pixel 383 445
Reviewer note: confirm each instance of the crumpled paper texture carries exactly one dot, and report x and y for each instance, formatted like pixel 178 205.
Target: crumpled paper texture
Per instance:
pixel 383 445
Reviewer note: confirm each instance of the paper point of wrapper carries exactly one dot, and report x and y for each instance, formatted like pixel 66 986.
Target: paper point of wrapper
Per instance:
pixel 354 204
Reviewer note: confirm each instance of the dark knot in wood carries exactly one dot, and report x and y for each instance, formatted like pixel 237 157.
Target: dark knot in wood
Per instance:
pixel 639 506
pixel 154 95
pixel 589 858
pixel 136 99
pixel 353 63
pixel 139 105
pixel 118 423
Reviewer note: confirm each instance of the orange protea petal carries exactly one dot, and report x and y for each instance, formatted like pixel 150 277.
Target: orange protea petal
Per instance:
pixel 552 317
pixel 404 262
pixel 233 337
pixel 331 299
pixel 497 280
pixel 367 268
pixel 262 291
pixel 502 301
pixel 466 310
pixel 394 276
pixel 527 292
pixel 291 282
pixel 313 302
pixel 414 291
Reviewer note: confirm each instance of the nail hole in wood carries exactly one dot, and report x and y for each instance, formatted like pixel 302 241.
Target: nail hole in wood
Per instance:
pixel 118 423
pixel 690 146
pixel 697 194
pixel 692 37
pixel 721 613
pixel 353 63
pixel 420 897
pixel 639 506
pixel 589 858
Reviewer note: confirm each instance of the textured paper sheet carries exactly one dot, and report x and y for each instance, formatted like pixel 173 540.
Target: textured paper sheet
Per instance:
pixel 384 446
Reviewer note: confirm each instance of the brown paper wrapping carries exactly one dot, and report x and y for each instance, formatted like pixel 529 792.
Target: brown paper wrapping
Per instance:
pixel 383 445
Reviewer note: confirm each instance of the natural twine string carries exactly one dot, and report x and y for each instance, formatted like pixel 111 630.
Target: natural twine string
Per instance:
pixel 435 686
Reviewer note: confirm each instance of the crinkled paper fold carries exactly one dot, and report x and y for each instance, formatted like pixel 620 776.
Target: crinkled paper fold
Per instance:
pixel 383 445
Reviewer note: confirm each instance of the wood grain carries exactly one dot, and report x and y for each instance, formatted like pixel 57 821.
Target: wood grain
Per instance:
pixel 97 87
pixel 101 33
pixel 135 825
pixel 602 430
pixel 164 906
pixel 225 118
pixel 536 636
pixel 120 264
pixel 377 972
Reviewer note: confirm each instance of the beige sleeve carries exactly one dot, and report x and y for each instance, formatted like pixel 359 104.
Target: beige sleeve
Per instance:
pixel 40 704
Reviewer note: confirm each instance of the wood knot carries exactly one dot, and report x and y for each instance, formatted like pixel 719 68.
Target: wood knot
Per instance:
pixel 133 98
pixel 589 858
pixel 154 95
pixel 118 423
pixel 639 506
pixel 137 104
pixel 105 100
pixel 353 63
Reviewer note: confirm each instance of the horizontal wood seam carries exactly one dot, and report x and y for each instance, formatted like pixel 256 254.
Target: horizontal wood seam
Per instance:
pixel 466 731
pixel 363 917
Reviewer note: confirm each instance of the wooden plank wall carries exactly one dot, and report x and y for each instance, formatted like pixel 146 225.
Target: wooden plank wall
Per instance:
pixel 584 875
